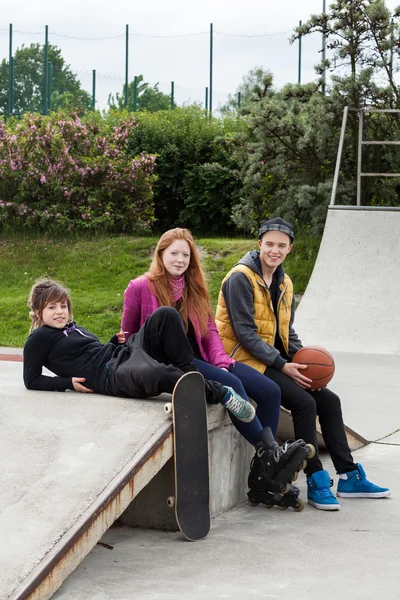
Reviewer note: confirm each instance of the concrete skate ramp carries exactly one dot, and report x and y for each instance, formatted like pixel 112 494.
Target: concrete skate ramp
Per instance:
pixel 70 464
pixel 351 303
pixel 351 307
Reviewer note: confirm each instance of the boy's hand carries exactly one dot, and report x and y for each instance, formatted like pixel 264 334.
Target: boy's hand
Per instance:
pixel 78 387
pixel 292 370
pixel 121 336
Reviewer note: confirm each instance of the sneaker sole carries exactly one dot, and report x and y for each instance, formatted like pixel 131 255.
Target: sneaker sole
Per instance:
pixel 363 494
pixel 249 419
pixel 324 506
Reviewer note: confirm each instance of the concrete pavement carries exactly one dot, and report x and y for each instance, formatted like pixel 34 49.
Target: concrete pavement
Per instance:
pixel 252 552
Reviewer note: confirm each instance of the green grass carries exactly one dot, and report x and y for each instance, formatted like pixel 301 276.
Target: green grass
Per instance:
pixel 97 271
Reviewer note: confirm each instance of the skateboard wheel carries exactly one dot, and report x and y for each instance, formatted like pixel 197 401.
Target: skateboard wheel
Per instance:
pixel 282 507
pixel 311 450
pixel 168 408
pixel 268 505
pixel 299 507
pixel 171 501
pixel 303 466
pixel 295 476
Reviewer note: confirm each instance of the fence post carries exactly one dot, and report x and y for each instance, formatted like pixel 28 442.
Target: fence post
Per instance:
pixel 126 64
pixel 50 77
pixel 299 67
pixel 211 69
pixel 94 89
pixel 135 94
pixel 10 75
pixel 46 68
pixel 172 94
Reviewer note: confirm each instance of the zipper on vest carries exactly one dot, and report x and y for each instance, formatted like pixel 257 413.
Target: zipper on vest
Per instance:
pixel 236 348
pixel 264 286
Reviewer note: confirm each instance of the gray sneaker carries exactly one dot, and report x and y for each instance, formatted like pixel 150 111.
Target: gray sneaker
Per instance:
pixel 238 406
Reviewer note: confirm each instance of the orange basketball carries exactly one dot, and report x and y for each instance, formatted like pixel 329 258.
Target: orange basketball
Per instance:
pixel 320 365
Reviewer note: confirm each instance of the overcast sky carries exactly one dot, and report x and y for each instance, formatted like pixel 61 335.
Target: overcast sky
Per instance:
pixel 170 41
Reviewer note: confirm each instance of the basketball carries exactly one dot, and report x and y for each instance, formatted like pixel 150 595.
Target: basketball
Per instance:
pixel 320 365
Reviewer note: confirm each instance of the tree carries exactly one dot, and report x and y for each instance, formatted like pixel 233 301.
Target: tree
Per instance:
pixel 363 42
pixel 255 86
pixel 147 97
pixel 28 85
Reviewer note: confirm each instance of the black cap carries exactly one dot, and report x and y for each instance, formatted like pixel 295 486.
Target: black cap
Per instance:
pixel 276 224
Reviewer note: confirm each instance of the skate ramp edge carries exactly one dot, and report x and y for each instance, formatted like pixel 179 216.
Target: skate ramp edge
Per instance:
pixel 350 301
pixel 286 432
pixel 75 463
pixel 76 543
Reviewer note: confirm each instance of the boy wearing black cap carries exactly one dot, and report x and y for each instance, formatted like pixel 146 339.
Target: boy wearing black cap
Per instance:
pixel 255 315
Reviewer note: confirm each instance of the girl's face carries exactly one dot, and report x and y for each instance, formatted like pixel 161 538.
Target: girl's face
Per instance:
pixel 56 314
pixel 176 257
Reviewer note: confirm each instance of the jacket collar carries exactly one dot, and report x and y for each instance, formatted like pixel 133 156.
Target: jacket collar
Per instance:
pixel 252 260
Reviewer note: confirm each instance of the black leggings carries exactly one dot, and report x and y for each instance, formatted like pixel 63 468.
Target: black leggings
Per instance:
pixel 305 406
pixel 156 357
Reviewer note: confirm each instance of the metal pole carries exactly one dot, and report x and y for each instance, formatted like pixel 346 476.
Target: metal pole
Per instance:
pixel 135 94
pixel 10 75
pixel 359 157
pixel 46 67
pixel 12 86
pixel 50 77
pixel 339 155
pixel 126 65
pixel 94 89
pixel 172 95
pixel 391 48
pixel 206 100
pixel 211 68
pixel 324 48
pixel 299 68
pixel 239 95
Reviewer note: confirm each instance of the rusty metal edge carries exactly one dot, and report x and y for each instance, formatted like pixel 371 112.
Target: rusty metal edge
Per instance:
pixel 70 538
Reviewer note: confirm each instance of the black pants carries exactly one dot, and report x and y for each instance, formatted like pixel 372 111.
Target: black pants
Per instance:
pixel 305 406
pixel 156 357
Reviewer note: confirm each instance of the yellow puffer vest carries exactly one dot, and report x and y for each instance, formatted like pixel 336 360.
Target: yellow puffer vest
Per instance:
pixel 264 317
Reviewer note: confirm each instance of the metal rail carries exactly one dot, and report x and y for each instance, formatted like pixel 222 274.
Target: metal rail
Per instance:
pixel 361 143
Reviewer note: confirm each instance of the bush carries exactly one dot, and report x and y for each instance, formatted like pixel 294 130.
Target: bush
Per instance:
pixel 62 173
pixel 197 174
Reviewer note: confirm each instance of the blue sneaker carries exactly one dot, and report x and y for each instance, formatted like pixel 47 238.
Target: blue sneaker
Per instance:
pixel 319 493
pixel 238 406
pixel 356 485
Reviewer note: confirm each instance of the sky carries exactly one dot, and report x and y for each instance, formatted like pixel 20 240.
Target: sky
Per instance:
pixel 170 41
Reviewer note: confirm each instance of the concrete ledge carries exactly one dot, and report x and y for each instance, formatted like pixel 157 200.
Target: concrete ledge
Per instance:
pixel 230 457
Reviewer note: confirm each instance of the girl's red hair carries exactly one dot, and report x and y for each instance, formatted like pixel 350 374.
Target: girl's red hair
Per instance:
pixel 195 303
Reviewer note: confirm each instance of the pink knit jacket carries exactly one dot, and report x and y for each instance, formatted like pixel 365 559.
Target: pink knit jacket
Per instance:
pixel 140 303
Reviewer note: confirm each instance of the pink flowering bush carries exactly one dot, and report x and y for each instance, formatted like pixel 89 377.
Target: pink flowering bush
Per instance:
pixel 63 172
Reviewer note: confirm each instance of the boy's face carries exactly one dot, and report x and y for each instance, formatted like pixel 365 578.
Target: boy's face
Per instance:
pixel 274 248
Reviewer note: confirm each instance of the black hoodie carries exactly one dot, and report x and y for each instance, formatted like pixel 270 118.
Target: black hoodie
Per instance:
pixel 67 354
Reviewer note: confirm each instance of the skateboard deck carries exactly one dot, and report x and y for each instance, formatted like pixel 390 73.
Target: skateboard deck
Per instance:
pixel 192 495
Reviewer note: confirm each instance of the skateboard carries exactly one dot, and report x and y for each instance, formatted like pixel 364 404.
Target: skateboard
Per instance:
pixel 192 495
